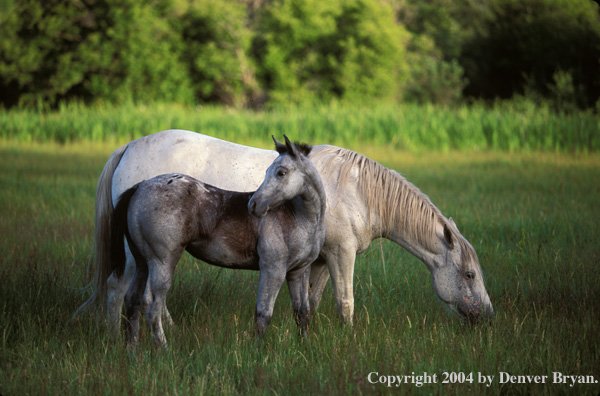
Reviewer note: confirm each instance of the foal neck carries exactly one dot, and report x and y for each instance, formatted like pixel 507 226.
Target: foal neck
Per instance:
pixel 313 197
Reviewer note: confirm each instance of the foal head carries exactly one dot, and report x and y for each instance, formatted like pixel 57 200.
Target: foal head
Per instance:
pixel 292 174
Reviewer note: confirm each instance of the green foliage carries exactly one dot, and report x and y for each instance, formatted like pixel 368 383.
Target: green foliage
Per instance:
pixel 371 51
pixel 147 66
pixel 243 53
pixel 216 43
pixel 526 42
pixel 435 20
pixel 520 125
pixel 111 50
pixel 312 49
pixel 432 79
pixel 563 93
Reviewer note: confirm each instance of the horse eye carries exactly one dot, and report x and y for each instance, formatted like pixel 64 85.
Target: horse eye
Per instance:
pixel 281 173
pixel 470 275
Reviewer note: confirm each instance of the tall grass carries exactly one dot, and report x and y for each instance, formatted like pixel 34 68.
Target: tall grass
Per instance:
pixel 533 219
pixel 508 126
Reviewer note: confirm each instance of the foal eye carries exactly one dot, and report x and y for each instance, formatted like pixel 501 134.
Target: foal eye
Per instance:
pixel 470 275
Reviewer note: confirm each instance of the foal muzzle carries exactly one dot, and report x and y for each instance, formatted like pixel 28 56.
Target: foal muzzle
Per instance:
pixel 257 209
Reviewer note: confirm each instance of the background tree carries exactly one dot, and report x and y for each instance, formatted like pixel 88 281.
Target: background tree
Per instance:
pixel 103 49
pixel 310 49
pixel 526 43
pixel 240 53
pixel 216 43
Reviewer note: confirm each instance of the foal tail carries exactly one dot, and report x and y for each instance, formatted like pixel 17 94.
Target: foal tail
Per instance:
pixel 101 249
pixel 118 231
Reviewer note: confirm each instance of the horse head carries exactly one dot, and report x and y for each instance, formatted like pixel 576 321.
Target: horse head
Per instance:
pixel 457 275
pixel 289 176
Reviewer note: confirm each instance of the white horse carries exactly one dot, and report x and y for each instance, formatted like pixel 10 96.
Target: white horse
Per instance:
pixel 365 201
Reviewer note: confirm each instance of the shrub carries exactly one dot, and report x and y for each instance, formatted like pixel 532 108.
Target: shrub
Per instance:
pixel 526 42
pixel 310 49
pixel 112 50
pixel 216 45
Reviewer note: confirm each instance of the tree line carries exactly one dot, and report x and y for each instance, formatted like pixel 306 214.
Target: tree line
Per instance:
pixel 255 52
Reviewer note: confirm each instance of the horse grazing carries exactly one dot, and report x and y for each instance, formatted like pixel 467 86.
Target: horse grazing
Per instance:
pixel 365 201
pixel 278 230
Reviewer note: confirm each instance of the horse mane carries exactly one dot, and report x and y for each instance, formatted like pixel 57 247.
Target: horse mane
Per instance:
pixel 397 202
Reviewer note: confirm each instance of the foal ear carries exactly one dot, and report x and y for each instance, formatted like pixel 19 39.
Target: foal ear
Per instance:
pixel 448 236
pixel 291 148
pixel 279 147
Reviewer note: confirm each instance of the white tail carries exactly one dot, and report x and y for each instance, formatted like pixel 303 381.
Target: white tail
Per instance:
pixel 101 250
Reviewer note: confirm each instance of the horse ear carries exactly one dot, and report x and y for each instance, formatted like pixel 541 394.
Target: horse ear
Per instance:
pixel 279 147
pixel 291 148
pixel 453 223
pixel 448 236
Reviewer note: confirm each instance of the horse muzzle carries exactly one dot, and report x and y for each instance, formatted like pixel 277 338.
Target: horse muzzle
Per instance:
pixel 474 312
pixel 257 210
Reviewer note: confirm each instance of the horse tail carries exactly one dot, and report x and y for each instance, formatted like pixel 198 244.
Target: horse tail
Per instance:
pixel 118 231
pixel 101 248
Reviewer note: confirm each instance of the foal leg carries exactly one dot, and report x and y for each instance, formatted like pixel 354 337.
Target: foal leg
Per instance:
pixel 298 287
pixel 269 283
pixel 167 317
pixel 159 283
pixel 116 289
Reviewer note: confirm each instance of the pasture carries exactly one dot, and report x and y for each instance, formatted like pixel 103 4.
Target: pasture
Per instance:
pixel 533 218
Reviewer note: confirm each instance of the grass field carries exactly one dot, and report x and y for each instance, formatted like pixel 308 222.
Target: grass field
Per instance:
pixel 507 126
pixel 532 217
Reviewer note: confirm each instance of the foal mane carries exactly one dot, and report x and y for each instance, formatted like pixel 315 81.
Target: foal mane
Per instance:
pixel 397 202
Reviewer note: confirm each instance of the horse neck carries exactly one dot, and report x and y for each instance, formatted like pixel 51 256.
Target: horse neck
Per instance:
pixel 407 217
pixel 383 194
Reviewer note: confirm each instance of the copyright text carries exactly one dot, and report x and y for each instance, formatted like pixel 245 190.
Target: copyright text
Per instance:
pixel 502 377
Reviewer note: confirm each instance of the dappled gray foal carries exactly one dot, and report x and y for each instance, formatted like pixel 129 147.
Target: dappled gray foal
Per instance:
pixel 278 230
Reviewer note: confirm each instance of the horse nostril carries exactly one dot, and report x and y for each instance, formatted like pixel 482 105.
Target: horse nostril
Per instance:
pixel 253 206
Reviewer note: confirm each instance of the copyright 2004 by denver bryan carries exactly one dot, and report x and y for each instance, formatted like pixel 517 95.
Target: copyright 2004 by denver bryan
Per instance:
pixel 447 377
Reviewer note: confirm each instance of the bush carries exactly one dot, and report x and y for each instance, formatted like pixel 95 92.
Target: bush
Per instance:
pixel 216 43
pixel 432 79
pixel 526 42
pixel 111 50
pixel 310 49
pixel 242 53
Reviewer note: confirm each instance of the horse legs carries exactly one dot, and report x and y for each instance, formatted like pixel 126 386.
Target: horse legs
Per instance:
pixel 159 283
pixel 167 316
pixel 341 268
pixel 116 289
pixel 133 303
pixel 319 275
pixel 298 287
pixel 269 283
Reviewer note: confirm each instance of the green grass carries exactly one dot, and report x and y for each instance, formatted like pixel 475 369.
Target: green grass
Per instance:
pixel 507 126
pixel 533 219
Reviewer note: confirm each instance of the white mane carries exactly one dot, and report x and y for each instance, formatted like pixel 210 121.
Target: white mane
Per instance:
pixel 393 199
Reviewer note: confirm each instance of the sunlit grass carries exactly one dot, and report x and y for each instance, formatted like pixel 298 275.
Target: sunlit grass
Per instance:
pixel 507 126
pixel 533 219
